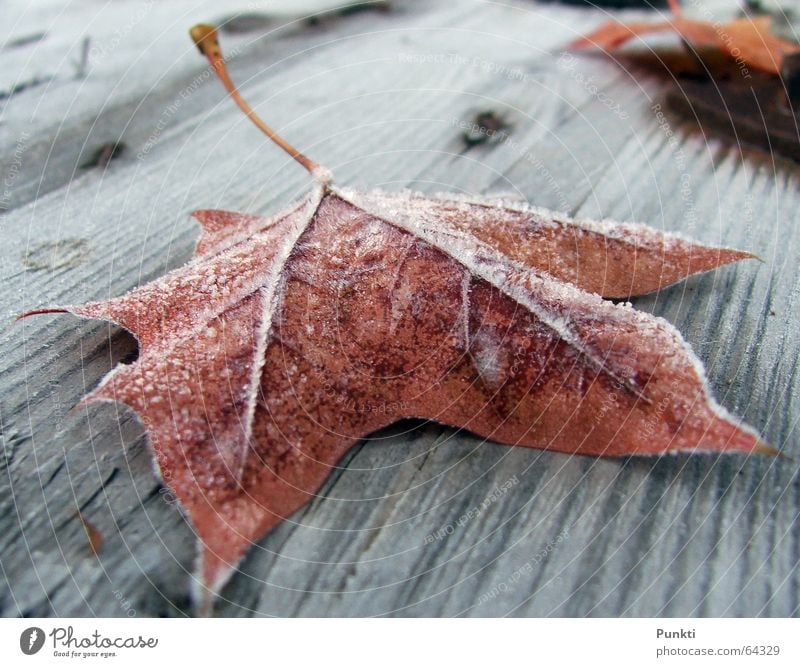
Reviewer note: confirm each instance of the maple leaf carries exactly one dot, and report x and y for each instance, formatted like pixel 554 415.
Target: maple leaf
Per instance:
pixel 748 40
pixel 287 339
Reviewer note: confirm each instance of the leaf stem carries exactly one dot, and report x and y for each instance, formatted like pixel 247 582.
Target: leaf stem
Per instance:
pixel 205 37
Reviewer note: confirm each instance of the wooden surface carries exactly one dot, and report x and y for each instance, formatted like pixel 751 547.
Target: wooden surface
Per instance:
pixel 381 98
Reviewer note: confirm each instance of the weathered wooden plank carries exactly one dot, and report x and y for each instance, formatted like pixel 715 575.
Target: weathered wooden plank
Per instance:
pixel 381 102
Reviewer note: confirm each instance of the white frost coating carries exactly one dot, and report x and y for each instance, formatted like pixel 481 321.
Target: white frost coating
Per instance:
pixel 272 290
pixel 513 279
pixel 242 233
pixel 700 372
pixel 223 291
pixel 322 176
pixel 488 357
pixel 269 283
pixel 466 281
pixel 632 233
pixel 398 303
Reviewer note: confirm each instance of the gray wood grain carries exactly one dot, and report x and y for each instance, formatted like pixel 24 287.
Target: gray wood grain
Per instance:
pixel 380 98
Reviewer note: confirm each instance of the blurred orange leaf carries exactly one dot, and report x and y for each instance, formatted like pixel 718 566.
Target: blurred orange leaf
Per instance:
pixel 746 40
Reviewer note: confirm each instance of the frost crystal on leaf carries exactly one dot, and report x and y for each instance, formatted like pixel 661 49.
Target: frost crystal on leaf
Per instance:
pixel 287 339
